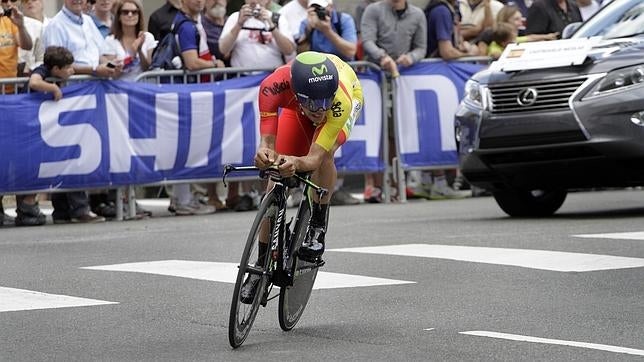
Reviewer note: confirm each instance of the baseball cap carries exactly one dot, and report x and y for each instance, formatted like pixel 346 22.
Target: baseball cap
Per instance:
pixel 321 3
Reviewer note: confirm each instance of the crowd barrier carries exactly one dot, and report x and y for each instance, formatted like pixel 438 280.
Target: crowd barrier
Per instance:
pixel 175 126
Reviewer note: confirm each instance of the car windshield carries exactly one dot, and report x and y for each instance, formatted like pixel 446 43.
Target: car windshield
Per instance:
pixel 618 19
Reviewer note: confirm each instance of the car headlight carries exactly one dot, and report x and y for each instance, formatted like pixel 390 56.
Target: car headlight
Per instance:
pixel 620 79
pixel 474 94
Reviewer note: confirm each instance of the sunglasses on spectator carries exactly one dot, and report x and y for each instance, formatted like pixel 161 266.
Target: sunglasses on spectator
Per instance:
pixel 6 1
pixel 129 12
pixel 314 105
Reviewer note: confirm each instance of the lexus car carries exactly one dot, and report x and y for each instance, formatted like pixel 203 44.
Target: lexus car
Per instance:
pixel 529 136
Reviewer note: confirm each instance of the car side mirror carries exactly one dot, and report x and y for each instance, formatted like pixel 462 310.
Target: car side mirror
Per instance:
pixel 570 29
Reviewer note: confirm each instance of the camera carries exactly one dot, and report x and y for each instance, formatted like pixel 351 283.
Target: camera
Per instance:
pixel 257 11
pixel 6 12
pixel 320 11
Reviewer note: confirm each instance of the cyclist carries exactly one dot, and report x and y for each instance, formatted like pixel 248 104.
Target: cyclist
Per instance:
pixel 318 97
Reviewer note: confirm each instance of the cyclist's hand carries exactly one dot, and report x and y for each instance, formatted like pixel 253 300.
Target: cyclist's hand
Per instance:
pixel 265 157
pixel 287 166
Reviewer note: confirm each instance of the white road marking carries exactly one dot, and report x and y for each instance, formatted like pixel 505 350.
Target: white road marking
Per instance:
pixel 526 258
pixel 561 342
pixel 429 329
pixel 227 273
pixel 636 235
pixel 12 300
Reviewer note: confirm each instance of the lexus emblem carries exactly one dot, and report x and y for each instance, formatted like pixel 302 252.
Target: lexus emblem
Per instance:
pixel 527 97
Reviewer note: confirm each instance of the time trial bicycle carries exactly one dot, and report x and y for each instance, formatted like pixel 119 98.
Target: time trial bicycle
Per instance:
pixel 280 266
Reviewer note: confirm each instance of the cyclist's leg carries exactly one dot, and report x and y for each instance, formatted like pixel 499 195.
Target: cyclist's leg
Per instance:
pixel 325 176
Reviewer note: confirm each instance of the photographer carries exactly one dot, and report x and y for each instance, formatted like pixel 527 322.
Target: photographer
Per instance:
pixel 328 31
pixel 256 37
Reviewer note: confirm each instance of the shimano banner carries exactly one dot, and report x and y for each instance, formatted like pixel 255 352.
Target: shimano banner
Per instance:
pixel 426 98
pixel 109 133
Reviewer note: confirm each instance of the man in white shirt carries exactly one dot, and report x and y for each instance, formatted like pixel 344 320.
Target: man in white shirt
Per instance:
pixel 256 37
pixel 295 12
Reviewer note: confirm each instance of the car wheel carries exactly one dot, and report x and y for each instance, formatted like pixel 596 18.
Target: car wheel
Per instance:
pixel 534 203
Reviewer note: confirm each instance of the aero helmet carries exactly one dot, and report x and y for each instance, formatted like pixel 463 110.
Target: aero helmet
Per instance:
pixel 314 79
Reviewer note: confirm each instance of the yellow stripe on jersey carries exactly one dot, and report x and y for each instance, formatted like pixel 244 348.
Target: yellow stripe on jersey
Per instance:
pixel 349 91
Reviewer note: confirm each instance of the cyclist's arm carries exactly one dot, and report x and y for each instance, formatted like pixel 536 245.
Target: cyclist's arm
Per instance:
pixel 266 155
pixel 310 162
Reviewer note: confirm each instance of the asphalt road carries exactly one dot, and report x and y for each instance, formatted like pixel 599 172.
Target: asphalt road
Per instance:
pixel 440 280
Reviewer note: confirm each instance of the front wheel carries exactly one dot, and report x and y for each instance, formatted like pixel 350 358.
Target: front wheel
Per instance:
pixel 244 311
pixel 293 299
pixel 535 203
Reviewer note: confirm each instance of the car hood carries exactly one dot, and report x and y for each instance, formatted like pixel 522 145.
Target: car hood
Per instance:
pixel 607 55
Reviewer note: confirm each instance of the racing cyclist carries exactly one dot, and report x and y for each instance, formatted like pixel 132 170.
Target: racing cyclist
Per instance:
pixel 307 110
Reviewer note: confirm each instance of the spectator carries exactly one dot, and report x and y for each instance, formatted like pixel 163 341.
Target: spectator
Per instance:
pixel 57 63
pixel 509 14
pixel 161 19
pixel 335 34
pixel 75 31
pixel 522 5
pixel 442 42
pixel 34 10
pixel 587 8
pixel 34 23
pixel 394 33
pixel 254 37
pixel 103 16
pixel 442 39
pixel 294 12
pixel 15 36
pixel 195 55
pixel 359 10
pixel 476 16
pixel 502 35
pixel 551 16
pixel 88 8
pixel 129 44
pixel 213 23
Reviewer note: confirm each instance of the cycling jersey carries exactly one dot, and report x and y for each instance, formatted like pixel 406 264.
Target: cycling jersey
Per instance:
pixel 292 126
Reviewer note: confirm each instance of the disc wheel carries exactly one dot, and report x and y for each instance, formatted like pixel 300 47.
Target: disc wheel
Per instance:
pixel 293 299
pixel 243 312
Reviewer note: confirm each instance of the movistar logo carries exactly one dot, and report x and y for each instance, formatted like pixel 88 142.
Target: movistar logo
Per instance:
pixel 319 70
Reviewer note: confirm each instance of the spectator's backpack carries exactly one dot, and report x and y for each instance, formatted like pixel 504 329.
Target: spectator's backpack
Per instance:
pixel 167 49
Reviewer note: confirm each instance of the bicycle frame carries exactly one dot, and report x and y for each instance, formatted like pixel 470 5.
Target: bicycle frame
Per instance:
pixel 282 269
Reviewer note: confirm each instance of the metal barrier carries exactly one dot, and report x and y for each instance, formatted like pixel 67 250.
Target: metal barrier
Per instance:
pixel 396 164
pixel 393 170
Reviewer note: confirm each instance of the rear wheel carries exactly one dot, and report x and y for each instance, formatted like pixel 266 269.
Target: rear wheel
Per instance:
pixel 534 203
pixel 243 312
pixel 293 299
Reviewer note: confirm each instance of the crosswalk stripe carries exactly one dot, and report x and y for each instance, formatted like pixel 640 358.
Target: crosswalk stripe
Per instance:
pixel 635 235
pixel 227 273
pixel 12 300
pixel 526 258
pixel 518 337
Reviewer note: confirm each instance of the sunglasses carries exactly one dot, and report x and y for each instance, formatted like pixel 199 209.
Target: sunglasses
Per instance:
pixel 315 105
pixel 129 12
pixel 6 1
